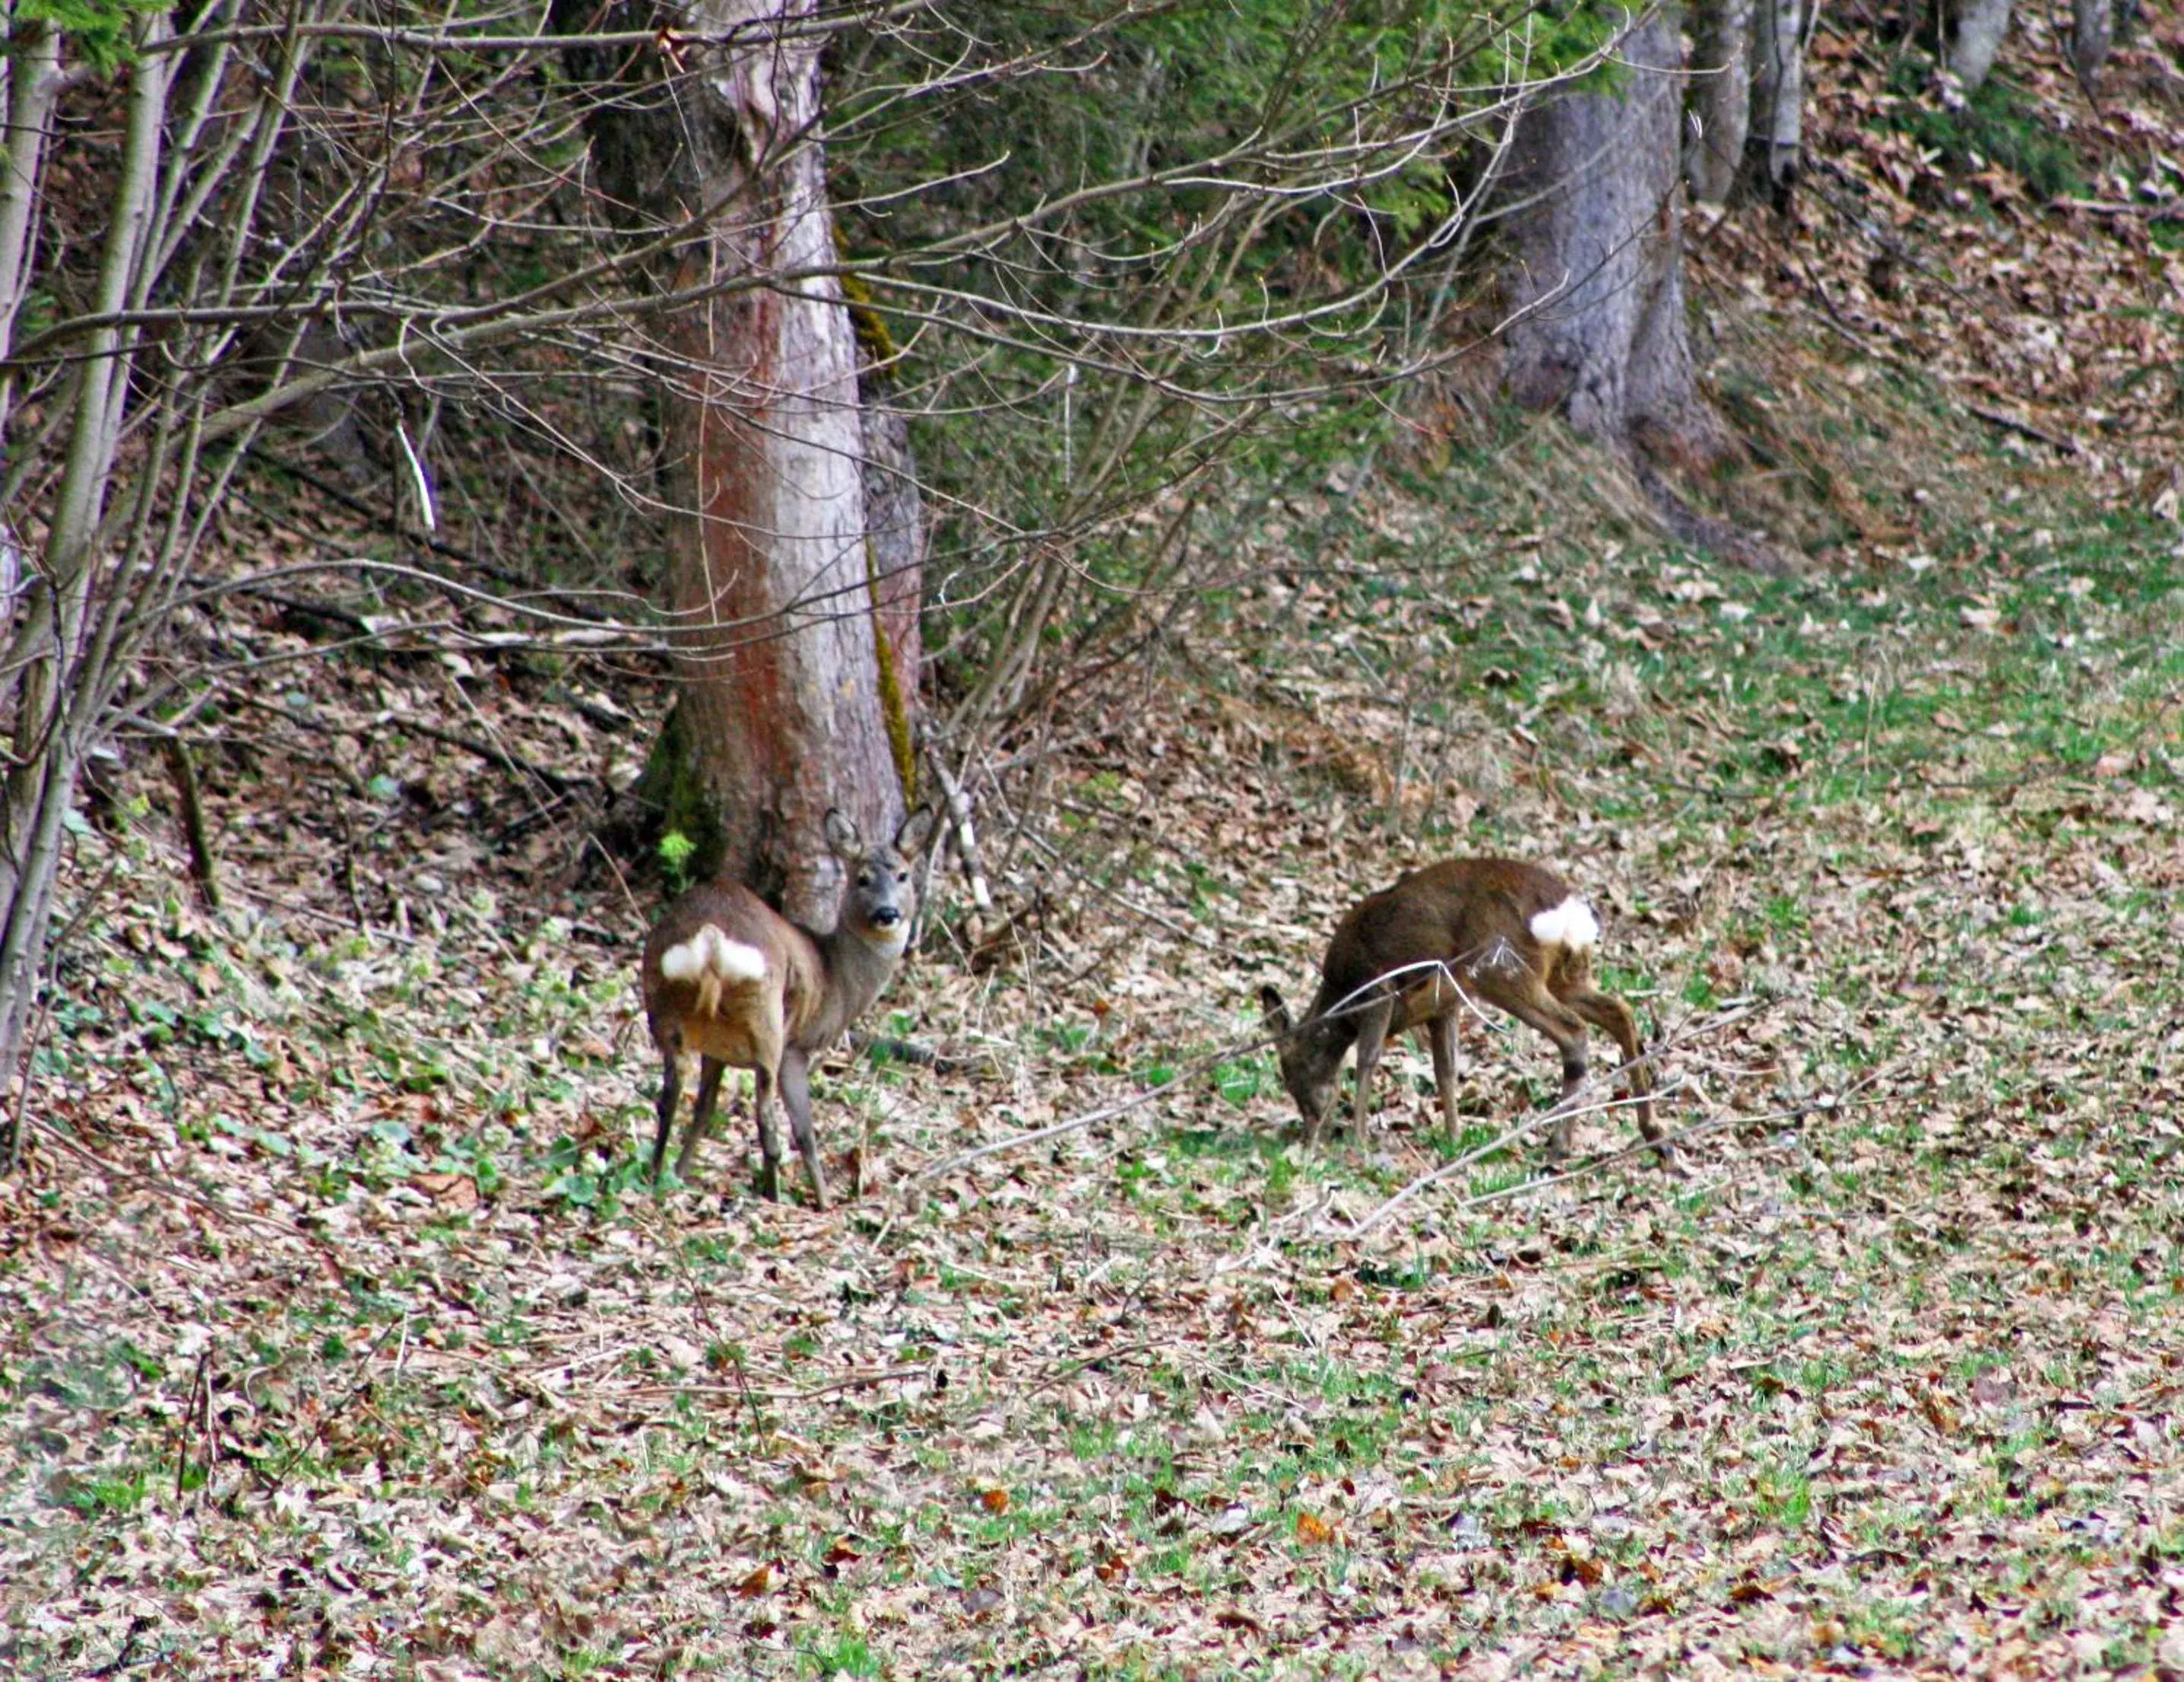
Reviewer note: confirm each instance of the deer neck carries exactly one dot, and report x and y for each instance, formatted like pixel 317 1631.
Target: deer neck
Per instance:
pixel 1331 1035
pixel 857 967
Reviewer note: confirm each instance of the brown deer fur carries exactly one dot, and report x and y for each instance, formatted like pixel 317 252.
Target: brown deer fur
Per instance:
pixel 732 979
pixel 1492 930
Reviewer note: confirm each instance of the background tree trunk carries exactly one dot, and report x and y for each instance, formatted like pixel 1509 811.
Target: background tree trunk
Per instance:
pixel 2093 27
pixel 1775 137
pixel 1593 270
pixel 1720 99
pixel 1974 34
pixel 770 585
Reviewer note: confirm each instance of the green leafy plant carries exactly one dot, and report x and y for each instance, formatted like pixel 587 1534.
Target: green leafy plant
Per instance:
pixel 676 850
pixel 585 1177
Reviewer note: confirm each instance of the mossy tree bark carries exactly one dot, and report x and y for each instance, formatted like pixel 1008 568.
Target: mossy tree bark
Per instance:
pixel 785 698
pixel 897 535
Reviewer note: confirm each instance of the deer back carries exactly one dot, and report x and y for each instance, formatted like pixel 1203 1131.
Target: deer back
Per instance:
pixel 721 953
pixel 1460 912
pixel 719 949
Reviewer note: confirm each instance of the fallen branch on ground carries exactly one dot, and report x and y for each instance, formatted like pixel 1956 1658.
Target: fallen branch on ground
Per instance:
pixel 1345 1232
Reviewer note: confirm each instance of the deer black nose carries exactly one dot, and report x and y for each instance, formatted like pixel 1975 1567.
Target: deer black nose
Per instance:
pixel 886 917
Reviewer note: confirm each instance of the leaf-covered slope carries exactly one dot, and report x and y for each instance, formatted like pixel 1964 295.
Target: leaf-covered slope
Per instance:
pixel 339 1333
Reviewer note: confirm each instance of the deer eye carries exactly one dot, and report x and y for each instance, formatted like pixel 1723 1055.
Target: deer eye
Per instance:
pixel 864 878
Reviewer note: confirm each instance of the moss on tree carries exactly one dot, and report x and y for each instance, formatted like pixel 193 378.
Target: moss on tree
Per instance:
pixel 672 797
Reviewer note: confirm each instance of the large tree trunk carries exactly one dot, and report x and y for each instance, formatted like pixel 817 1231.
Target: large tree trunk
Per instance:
pixel 1721 97
pixel 1775 139
pixel 1593 276
pixel 789 702
pixel 1974 37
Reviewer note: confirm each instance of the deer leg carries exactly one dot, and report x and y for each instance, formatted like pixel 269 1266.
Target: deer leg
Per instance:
pixel 670 1095
pixel 796 1093
pixel 769 1135
pixel 1373 1024
pixel 1441 1042
pixel 768 1044
pixel 1614 1017
pixel 710 1070
pixel 1565 1028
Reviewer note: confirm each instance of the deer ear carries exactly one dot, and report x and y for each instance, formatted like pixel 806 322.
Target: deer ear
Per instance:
pixel 1277 1014
pixel 916 829
pixel 842 834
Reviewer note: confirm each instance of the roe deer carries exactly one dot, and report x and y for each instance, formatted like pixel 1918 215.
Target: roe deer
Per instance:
pixel 1413 955
pixel 728 977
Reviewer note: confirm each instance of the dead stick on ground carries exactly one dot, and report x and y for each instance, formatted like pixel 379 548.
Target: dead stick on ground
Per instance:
pixel 749 1393
pixel 491 753
pixel 1058 1372
pixel 1259 1042
pixel 2008 422
pixel 966 834
pixel 1346 1231
pixel 1018 1141
pixel 1829 1103
pixel 964 1158
pixel 199 1387
pixel 202 866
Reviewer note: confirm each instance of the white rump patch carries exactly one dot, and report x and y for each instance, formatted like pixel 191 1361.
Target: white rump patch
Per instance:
pixel 1570 925
pixel 710 955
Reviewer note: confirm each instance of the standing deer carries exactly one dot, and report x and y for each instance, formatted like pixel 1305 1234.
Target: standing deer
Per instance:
pixel 728 977
pixel 1413 955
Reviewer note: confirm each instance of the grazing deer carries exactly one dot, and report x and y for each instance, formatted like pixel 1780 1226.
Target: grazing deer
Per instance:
pixel 1413 955
pixel 728 977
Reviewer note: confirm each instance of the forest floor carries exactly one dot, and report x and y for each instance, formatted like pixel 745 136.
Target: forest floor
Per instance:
pixel 344 1335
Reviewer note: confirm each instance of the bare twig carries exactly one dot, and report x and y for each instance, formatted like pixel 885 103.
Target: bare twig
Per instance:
pixel 197 1407
pixel 1828 1105
pixel 506 759
pixel 1019 1141
pixel 1348 1232
pixel 2008 423
pixel 1128 904
pixel 966 835
pixel 1533 1123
